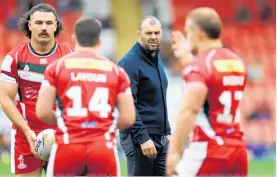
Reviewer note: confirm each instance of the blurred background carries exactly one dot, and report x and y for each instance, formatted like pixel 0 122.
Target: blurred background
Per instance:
pixel 249 30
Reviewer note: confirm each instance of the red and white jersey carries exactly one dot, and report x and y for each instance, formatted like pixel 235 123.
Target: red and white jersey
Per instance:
pixel 25 67
pixel 87 87
pixel 224 73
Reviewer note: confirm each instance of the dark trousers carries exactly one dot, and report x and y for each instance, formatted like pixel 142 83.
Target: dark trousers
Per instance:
pixel 139 164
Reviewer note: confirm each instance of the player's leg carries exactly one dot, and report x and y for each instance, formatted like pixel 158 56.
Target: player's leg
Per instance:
pixel 102 159
pixel 23 162
pixel 66 160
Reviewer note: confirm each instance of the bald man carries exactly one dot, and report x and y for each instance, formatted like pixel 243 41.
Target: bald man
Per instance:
pixel 145 143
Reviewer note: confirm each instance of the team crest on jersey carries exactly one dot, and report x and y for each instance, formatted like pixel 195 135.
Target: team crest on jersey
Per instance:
pixel 25 71
pixel 21 165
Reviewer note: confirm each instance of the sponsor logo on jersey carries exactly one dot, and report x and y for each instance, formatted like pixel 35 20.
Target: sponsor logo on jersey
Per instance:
pixel 43 61
pixel 88 124
pixel 229 65
pixel 30 93
pixel 21 165
pixel 88 63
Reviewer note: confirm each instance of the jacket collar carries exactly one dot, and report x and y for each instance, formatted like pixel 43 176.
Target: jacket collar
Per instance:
pixel 144 51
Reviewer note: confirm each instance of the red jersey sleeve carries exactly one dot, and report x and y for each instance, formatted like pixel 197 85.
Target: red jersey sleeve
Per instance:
pixel 124 82
pixel 196 72
pixel 9 68
pixel 50 75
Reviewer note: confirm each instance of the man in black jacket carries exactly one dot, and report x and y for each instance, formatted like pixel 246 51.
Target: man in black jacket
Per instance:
pixel 145 143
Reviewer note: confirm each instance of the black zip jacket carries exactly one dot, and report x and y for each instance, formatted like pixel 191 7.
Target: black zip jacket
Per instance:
pixel 149 85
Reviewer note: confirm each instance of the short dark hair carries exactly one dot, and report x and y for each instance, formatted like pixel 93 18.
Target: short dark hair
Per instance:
pixel 145 18
pixel 87 31
pixel 208 21
pixel 24 20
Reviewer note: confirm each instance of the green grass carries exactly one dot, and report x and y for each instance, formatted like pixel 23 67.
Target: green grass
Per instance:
pixel 256 169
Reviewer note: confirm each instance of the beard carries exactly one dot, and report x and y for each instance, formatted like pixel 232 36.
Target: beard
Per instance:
pixel 151 49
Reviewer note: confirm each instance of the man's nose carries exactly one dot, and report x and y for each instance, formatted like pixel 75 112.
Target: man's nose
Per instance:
pixel 43 26
pixel 153 36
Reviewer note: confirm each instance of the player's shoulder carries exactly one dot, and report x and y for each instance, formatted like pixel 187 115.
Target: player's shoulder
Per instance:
pixel 117 69
pixel 13 55
pixel 65 46
pixel 18 49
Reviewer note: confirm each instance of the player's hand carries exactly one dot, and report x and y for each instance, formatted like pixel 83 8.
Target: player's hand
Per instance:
pixel 180 46
pixel 31 137
pixel 148 148
pixel 172 161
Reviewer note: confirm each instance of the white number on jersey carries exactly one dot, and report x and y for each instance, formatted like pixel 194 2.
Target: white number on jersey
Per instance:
pixel 98 102
pixel 226 100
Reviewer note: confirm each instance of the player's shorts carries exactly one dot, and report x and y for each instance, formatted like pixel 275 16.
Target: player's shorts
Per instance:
pixel 90 159
pixel 22 160
pixel 201 159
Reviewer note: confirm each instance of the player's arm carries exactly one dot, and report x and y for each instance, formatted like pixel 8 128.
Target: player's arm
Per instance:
pixel 47 96
pixel 125 102
pixel 8 91
pixel 126 109
pixel 193 98
pixel 45 103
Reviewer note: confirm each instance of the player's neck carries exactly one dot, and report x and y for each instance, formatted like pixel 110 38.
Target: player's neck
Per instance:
pixel 42 49
pixel 210 44
pixel 86 49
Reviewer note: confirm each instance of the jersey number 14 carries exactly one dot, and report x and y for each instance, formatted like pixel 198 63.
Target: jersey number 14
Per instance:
pixel 98 102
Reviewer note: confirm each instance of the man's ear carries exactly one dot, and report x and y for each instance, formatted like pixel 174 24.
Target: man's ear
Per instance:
pixel 29 25
pixel 201 34
pixel 99 42
pixel 56 26
pixel 138 33
pixel 73 38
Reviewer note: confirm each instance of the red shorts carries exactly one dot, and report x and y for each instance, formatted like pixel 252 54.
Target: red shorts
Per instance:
pixel 90 159
pixel 203 159
pixel 22 160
